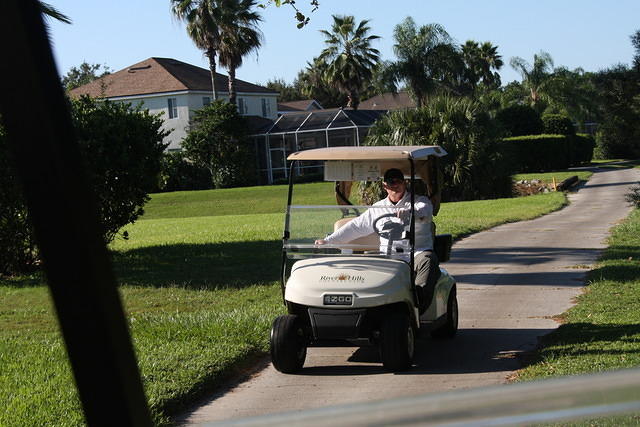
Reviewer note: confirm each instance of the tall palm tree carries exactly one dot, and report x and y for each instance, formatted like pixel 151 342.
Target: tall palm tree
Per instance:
pixel 481 61
pixel 204 19
pixel 535 78
pixel 350 58
pixel 426 59
pixel 490 61
pixel 51 12
pixel 238 37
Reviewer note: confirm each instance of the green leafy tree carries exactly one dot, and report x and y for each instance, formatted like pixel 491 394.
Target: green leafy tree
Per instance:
pixel 83 74
pixel 239 37
pixel 427 60
pixel 313 84
pixel 619 113
pixel 513 93
pixel 535 77
pixel 121 148
pixel 300 17
pixel 217 141
pixel 572 93
pixel 635 41
pixel 350 59
pixel 288 92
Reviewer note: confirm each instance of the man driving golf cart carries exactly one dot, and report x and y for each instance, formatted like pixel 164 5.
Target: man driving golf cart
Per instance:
pixel 425 259
pixel 375 279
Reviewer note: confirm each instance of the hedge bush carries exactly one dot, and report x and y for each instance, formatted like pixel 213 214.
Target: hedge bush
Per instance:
pixel 121 148
pixel 218 142
pixel 519 120
pixel 557 124
pixel 582 149
pixel 179 174
pixel 535 153
pixel 17 245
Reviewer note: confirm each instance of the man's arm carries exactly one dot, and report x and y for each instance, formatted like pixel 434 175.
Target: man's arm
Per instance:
pixel 353 229
pixel 423 208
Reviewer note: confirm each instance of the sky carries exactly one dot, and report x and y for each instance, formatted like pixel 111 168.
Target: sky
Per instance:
pixel 591 34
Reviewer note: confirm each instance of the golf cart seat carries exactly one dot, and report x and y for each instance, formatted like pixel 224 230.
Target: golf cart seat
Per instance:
pixel 371 241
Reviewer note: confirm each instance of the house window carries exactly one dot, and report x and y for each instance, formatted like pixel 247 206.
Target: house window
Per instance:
pixel 242 106
pixel 173 107
pixel 206 100
pixel 266 108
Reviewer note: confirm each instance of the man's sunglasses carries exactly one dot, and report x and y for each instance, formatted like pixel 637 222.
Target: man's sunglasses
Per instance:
pixel 394 181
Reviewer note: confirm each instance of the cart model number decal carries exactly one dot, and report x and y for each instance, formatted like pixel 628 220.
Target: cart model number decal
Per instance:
pixel 338 299
pixel 342 278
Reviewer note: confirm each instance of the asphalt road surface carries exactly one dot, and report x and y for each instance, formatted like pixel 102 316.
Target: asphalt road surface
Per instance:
pixel 512 281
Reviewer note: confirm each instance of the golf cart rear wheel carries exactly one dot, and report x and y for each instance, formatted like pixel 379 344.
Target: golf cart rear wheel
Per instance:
pixel 450 326
pixel 288 347
pixel 396 342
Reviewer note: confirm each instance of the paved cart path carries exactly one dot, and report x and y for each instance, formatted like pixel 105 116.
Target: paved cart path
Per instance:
pixel 512 281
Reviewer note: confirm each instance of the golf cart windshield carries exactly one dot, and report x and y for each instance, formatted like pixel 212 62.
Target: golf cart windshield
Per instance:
pixel 381 231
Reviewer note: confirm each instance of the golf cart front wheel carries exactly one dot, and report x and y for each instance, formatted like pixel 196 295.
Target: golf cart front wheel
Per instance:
pixel 288 347
pixel 450 326
pixel 396 342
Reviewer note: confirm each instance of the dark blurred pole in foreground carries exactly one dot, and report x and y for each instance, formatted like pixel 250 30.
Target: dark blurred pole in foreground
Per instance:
pixel 83 286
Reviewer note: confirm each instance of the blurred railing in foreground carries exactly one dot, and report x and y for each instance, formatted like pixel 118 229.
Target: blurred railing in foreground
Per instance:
pixel 544 401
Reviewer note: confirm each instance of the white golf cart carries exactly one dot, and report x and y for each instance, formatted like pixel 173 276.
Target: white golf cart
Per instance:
pixel 360 293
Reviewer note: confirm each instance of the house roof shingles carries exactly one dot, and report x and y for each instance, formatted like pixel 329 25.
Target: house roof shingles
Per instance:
pixel 389 101
pixel 160 75
pixel 301 105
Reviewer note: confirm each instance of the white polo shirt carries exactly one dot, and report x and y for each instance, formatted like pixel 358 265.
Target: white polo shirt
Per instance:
pixel 363 225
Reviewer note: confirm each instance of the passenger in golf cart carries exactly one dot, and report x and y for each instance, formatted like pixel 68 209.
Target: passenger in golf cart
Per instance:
pixel 425 259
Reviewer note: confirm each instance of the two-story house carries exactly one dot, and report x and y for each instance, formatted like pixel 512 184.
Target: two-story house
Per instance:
pixel 175 89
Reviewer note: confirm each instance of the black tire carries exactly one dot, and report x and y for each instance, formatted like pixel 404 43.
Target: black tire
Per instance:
pixel 450 327
pixel 288 346
pixel 396 342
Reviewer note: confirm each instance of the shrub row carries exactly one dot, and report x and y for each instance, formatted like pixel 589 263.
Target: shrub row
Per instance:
pixel 534 153
pixel 557 124
pixel 121 148
pixel 179 174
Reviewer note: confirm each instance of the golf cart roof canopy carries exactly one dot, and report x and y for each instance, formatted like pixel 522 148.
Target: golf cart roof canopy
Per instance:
pixel 416 152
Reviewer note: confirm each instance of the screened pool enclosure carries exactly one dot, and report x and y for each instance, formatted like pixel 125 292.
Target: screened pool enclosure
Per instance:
pixel 305 130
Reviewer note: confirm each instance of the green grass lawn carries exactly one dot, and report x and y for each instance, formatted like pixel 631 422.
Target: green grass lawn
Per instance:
pixel 602 332
pixel 200 292
pixel 560 176
pixel 236 201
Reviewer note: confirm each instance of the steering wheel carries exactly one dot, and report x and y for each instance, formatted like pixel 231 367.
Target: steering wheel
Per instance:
pixel 391 230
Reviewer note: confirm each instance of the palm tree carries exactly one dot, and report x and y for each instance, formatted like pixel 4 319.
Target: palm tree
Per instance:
pixel 238 37
pixel 204 19
pixel 350 58
pixel 480 61
pixel 51 12
pixel 426 59
pixel 536 77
